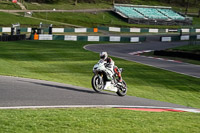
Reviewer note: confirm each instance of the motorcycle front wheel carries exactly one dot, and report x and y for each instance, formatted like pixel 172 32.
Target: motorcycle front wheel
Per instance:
pixel 97 83
pixel 122 89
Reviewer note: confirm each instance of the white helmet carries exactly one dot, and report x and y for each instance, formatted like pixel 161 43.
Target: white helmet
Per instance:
pixel 103 55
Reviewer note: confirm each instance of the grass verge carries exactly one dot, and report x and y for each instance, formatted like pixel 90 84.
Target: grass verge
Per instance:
pixel 100 19
pixel 195 48
pixel 9 19
pixel 69 5
pixel 196 21
pixel 68 62
pixel 97 120
pixel 93 19
pixel 9 5
pixel 66 5
pixel 81 19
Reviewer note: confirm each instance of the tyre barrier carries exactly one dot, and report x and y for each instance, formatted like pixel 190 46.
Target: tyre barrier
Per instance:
pixel 180 54
pixel 6 37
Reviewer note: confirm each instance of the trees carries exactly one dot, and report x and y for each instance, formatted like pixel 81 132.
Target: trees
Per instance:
pixel 186 7
pixel 76 1
pixel 113 2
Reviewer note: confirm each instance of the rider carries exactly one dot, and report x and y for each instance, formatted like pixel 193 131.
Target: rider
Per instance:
pixel 110 62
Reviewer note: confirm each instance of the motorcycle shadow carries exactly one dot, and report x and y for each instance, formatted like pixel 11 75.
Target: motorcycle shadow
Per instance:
pixel 75 88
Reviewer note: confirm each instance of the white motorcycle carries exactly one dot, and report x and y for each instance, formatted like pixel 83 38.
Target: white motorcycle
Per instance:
pixel 106 79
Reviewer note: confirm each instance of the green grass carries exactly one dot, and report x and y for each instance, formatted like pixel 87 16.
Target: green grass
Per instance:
pixel 189 48
pixel 93 19
pixel 67 6
pixel 100 19
pixel 97 120
pixel 9 19
pixel 9 5
pixel 81 19
pixel 68 62
pixel 196 21
pixel 84 19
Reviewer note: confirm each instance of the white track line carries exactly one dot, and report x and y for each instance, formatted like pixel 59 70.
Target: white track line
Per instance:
pixel 100 106
pixel 137 53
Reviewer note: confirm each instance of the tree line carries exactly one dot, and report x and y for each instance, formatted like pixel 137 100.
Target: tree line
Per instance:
pixel 178 2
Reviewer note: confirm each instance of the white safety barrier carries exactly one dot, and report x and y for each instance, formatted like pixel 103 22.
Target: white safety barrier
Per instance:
pixel 171 30
pixel 45 37
pixel 29 29
pixel 70 38
pixel 153 30
pixel 93 38
pixel 57 30
pixel 6 29
pixel 134 39
pixel 197 30
pixel 166 39
pixel 80 29
pixel 115 29
pixel 198 37
pixel 115 38
pixel 137 30
pixel 185 30
pixel 184 38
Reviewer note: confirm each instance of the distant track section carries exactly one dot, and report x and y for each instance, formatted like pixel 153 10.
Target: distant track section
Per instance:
pixel 125 51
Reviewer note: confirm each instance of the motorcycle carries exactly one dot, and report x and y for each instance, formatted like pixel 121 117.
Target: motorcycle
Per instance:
pixel 105 79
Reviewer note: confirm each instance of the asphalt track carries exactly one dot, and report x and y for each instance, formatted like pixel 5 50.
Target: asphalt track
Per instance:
pixel 125 51
pixel 18 92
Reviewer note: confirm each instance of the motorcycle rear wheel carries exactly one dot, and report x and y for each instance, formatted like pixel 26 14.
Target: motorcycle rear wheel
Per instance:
pixel 97 84
pixel 122 90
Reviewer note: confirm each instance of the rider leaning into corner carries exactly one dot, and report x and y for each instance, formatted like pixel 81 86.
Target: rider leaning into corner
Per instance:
pixel 111 64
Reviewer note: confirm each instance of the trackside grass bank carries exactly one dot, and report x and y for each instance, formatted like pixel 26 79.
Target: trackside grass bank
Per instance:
pixel 96 4
pixel 9 5
pixel 93 19
pixel 61 19
pixel 195 48
pixel 97 120
pixel 68 62
pixel 9 19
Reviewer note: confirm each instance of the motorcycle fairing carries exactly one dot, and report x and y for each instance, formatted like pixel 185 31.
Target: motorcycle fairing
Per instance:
pixel 110 87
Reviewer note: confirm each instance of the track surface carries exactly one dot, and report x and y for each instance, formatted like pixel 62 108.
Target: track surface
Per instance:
pixel 123 51
pixel 30 92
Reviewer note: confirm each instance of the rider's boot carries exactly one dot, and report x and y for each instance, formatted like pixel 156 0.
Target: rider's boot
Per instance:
pixel 120 79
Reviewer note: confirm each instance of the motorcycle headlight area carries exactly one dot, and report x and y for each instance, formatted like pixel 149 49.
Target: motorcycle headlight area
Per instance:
pixel 95 69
